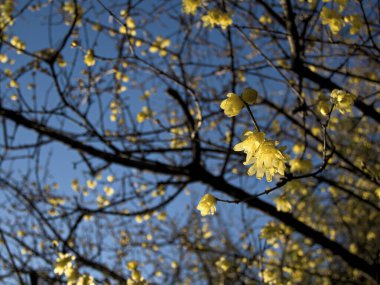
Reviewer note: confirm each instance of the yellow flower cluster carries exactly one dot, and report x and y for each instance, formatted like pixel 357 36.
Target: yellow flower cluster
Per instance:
pixel 18 44
pixel 69 9
pixel 323 106
pixel 145 114
pixel 160 45
pixel 190 6
pixel 63 262
pixel 207 205
pixel 265 158
pixel 6 10
pixel 136 277
pixel 342 100
pixel 178 141
pixel 65 266
pixel 234 104
pixel 223 264
pixel 333 19
pixel 217 17
pixel 302 166
pixel 129 28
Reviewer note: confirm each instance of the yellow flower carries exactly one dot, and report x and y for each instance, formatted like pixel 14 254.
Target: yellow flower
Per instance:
pixel 102 201
pixel 136 279
pixel 342 100
pixel 108 190
pixel 268 160
pixel 217 17
pixel 250 145
pixel 207 205
pixel 86 279
pixel 110 178
pixel 132 265
pixel 160 45
pixel 18 44
pixel 72 276
pixel 249 96
pixel 3 58
pixel 91 184
pixel 63 263
pixel 301 165
pixel 333 19
pixel 232 105
pixel 89 58
pixel 190 6
pixel 282 204
pixel 323 107
pixel 223 264
pixel 145 114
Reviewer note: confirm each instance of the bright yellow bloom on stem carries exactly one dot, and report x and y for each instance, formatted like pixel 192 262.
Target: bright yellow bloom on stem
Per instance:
pixel 251 144
pixel 136 278
pixel 63 262
pixel 333 19
pixel 232 105
pixel 72 276
pixel 267 160
pixel 302 166
pixel 86 279
pixel 207 205
pixel 145 114
pixel 217 17
pixel 129 28
pixel 190 6
pixel 324 107
pixel 89 58
pixel 342 100
pixel 249 96
pixel 282 204
pixel 18 44
pixel 132 265
pixel 160 45
pixel 3 58
pixel 223 264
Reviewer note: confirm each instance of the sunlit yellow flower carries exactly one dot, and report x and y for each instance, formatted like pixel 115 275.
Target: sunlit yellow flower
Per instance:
pixel 136 278
pixel 342 100
pixel 72 276
pixel 91 184
pixel 207 205
pixel 324 107
pixel 63 262
pixel 268 160
pixel 18 44
pixel 217 17
pixel 282 204
pixel 3 58
pixel 223 264
pixel 232 105
pixel 190 6
pixel 333 19
pixel 250 144
pixel 86 279
pixel 132 265
pixel 145 114
pixel 160 45
pixel 89 58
